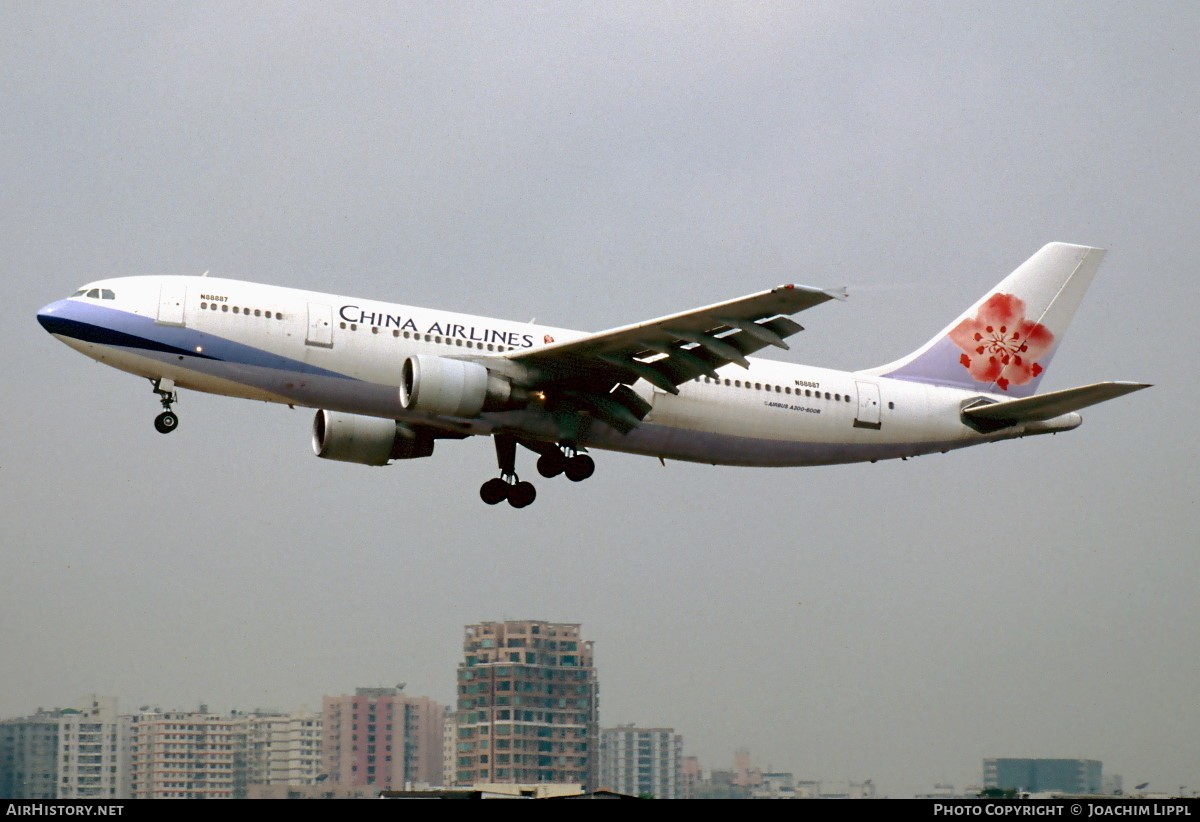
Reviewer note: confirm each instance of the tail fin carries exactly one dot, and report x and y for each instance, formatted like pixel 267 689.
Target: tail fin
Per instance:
pixel 1005 341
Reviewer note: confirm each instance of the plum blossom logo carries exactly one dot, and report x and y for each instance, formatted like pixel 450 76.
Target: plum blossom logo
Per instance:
pixel 547 339
pixel 999 345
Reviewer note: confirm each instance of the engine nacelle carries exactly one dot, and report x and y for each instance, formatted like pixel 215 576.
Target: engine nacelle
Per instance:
pixel 366 440
pixel 453 388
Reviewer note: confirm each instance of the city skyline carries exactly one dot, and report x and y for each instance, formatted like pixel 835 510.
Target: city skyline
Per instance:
pixel 261 754
pixel 898 622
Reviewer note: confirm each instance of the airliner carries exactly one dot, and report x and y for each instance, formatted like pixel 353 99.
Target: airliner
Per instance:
pixel 388 381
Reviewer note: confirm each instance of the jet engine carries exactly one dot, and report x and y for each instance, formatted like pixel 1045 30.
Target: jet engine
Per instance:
pixel 366 440
pixel 453 388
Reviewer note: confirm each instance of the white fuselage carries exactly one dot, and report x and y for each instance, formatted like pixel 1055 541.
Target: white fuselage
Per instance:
pixel 345 354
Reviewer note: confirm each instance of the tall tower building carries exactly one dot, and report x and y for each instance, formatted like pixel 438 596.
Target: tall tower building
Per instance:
pixel 382 737
pixel 641 761
pixel 528 705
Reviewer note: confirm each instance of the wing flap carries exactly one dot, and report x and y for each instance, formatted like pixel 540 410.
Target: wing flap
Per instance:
pixel 590 376
pixel 702 339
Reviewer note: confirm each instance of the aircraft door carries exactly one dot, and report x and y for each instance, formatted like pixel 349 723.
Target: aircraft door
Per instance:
pixel 868 406
pixel 320 325
pixel 172 295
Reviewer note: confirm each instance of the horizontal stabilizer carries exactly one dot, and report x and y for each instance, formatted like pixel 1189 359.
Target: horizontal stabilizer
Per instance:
pixel 1048 406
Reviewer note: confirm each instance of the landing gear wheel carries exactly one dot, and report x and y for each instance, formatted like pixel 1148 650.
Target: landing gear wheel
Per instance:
pixel 521 494
pixel 493 491
pixel 579 468
pixel 551 464
pixel 166 422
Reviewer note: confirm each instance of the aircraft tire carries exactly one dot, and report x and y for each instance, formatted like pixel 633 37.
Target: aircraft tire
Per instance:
pixel 551 464
pixel 580 467
pixel 493 491
pixel 166 422
pixel 521 494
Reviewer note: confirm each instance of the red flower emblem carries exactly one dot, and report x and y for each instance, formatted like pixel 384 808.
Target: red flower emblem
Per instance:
pixel 999 345
pixel 547 339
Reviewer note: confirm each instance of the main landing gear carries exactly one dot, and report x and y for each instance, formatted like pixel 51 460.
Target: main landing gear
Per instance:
pixel 561 459
pixel 565 460
pixel 507 486
pixel 168 420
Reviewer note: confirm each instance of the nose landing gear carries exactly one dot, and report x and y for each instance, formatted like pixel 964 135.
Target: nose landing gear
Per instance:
pixel 168 420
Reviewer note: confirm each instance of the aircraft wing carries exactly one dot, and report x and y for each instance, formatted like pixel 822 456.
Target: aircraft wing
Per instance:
pixel 592 374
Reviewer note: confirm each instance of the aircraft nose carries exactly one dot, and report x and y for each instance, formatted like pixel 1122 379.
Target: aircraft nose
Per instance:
pixel 49 316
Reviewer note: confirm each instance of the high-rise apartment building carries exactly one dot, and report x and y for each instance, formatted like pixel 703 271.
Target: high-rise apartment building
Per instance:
pixel 182 755
pixel 380 736
pixel 528 705
pixel 92 756
pixel 68 753
pixel 279 749
pixel 29 756
pixel 641 761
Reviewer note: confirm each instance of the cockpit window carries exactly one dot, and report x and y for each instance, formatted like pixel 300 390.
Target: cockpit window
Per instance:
pixel 96 293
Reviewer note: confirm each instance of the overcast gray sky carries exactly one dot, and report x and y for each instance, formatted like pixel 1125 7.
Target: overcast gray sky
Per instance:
pixel 591 165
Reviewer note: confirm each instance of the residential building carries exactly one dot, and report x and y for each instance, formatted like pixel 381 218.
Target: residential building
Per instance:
pixel 528 705
pixel 641 761
pixel 29 756
pixel 65 753
pixel 1077 776
pixel 182 755
pixel 382 737
pixel 279 749
pixel 92 751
